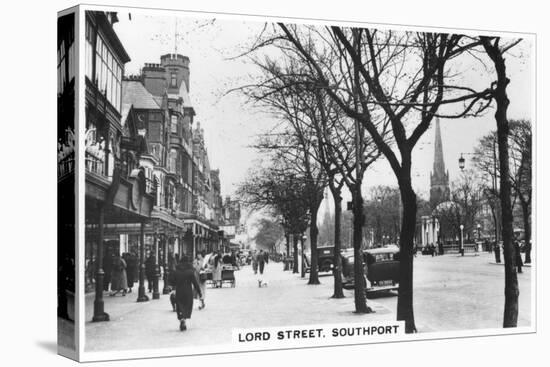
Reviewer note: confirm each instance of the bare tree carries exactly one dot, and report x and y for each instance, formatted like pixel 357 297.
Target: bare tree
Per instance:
pixel 273 188
pixel 280 91
pixel 463 209
pixel 268 234
pixel 383 213
pixel 496 52
pixel 326 135
pixel 485 160
pixel 404 76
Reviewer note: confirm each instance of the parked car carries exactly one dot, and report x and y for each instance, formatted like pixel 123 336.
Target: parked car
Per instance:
pixel 381 269
pixel 325 259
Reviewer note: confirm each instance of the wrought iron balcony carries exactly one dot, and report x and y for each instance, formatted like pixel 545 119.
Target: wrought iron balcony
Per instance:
pixel 95 164
pixel 65 167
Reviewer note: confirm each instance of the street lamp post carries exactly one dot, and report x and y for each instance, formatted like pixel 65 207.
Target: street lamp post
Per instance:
pixel 142 297
pixel 99 312
pixel 462 239
pixel 462 160
pixel 156 294
pixel 165 289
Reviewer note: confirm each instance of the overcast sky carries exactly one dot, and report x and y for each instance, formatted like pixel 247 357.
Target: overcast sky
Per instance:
pixel 230 125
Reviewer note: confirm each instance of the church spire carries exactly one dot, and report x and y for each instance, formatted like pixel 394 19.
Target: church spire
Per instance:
pixel 439 162
pixel 439 185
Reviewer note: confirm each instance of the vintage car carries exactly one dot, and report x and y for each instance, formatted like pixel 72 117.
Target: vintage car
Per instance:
pixel 325 259
pixel 381 269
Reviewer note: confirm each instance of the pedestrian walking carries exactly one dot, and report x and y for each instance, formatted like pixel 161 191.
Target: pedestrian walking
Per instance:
pixel 170 269
pixel 119 280
pixel 234 260
pixel 266 257
pixel 198 264
pixel 255 262
pixel 261 261
pixel 185 280
pixel 150 270
pixel 217 270
pixel 519 261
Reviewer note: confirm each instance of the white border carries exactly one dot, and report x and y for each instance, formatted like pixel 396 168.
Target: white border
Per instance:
pixel 229 348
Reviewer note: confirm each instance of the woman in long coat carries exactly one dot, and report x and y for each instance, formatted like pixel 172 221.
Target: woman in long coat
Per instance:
pixel 119 281
pixel 185 280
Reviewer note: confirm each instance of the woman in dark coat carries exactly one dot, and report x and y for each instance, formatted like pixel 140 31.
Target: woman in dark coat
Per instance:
pixel 131 270
pixel 185 280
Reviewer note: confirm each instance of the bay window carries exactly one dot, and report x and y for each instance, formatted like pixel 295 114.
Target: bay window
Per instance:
pixel 108 73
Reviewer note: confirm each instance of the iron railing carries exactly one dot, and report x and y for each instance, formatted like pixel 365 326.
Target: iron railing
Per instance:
pixel 95 164
pixel 65 167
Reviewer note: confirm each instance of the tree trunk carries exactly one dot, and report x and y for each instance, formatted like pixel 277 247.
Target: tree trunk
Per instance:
pixel 511 289
pixel 337 269
pixel 496 248
pixel 295 246
pixel 405 309
pixel 313 232
pixel 358 267
pixel 287 244
pixel 286 263
pixel 527 229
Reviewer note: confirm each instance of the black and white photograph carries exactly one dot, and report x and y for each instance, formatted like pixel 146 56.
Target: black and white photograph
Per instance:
pixel 254 183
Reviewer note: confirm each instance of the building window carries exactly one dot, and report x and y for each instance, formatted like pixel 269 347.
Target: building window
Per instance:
pixel 173 80
pixel 89 49
pixel 65 55
pixel 108 73
pixel 155 132
pixel 174 124
pixel 173 160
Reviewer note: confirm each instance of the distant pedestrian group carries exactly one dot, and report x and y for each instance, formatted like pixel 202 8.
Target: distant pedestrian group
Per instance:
pixel 120 272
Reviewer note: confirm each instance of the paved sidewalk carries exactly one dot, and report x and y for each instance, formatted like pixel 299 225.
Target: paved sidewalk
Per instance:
pixel 287 300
